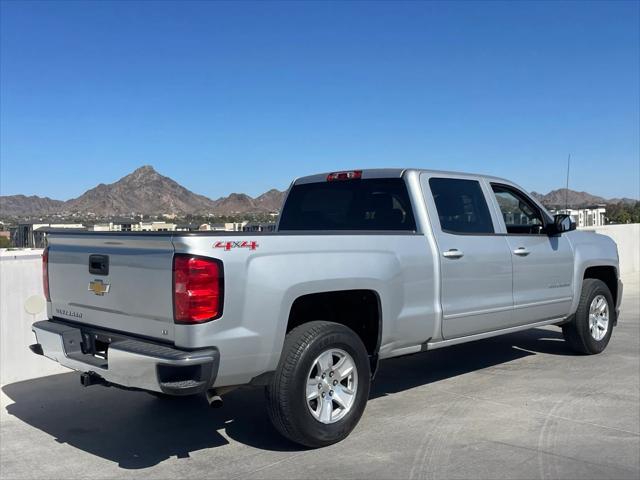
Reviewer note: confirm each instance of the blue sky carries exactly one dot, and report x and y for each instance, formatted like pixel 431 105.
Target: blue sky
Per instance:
pixel 227 97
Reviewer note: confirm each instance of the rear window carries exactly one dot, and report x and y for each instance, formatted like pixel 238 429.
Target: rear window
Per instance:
pixel 375 204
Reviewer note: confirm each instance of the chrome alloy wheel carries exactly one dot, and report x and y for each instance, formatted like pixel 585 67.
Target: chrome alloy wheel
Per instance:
pixel 332 384
pixel 598 317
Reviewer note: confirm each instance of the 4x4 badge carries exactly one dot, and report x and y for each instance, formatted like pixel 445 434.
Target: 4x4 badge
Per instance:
pixel 252 245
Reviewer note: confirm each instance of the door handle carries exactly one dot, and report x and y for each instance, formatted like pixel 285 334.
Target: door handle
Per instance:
pixel 521 251
pixel 453 253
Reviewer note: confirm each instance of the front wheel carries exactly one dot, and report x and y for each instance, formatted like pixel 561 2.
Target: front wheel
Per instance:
pixel 590 330
pixel 321 386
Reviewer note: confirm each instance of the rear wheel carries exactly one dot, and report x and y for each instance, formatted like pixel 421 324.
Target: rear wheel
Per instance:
pixel 590 330
pixel 321 386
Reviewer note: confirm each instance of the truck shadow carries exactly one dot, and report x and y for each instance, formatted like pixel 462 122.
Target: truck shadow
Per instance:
pixel 403 373
pixel 137 430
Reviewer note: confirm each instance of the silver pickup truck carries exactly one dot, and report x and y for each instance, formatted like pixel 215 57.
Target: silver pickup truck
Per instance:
pixel 364 265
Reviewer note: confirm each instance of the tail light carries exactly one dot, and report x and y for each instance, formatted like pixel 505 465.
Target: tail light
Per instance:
pixel 45 274
pixel 197 289
pixel 352 175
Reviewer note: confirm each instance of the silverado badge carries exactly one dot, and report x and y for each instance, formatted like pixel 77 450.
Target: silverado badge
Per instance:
pixel 99 287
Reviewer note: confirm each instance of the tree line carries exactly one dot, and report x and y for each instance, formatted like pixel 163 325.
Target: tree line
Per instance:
pixel 623 212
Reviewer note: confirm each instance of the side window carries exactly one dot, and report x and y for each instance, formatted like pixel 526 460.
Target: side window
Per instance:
pixel 519 213
pixel 461 206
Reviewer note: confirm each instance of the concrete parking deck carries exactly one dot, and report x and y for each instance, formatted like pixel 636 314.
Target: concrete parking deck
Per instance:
pixel 518 406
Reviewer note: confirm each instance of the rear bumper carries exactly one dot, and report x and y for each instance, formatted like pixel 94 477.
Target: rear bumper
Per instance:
pixel 129 362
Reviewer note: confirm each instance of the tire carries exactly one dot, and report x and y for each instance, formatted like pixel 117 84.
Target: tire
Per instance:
pixel 307 349
pixel 578 333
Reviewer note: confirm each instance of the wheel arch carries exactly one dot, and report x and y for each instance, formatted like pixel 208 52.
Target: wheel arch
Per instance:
pixel 357 309
pixel 595 256
pixel 608 274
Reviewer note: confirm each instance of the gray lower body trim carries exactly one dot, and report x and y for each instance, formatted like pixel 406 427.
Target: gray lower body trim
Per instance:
pixel 495 333
pixel 509 307
pixel 543 302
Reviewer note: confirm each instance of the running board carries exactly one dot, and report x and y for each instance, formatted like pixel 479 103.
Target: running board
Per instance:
pixel 494 333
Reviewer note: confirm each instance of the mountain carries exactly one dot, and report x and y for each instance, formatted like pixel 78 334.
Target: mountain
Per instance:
pixel 270 201
pixel 625 200
pixel 561 196
pixel 235 203
pixel 23 205
pixel 558 198
pixel 143 191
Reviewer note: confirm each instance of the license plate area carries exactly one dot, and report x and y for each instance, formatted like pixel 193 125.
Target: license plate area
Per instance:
pixel 96 344
pixel 91 345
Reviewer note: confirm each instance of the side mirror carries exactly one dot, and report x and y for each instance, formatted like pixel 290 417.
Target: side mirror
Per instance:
pixel 562 223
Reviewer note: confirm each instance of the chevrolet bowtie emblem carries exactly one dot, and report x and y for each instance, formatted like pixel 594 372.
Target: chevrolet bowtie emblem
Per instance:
pixel 99 287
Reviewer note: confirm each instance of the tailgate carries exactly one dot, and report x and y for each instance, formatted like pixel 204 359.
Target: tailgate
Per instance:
pixel 121 282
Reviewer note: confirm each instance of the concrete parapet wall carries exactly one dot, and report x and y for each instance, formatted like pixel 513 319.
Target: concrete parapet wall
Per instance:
pixel 628 239
pixel 20 279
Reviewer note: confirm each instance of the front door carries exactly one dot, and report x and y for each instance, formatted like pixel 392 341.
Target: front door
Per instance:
pixel 542 264
pixel 475 264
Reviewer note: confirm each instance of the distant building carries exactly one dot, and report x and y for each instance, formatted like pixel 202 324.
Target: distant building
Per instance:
pixel 592 216
pixel 212 227
pixel 125 225
pixel 187 227
pixel 156 227
pixel 34 235
pixel 223 227
pixel 259 227
pixel 128 225
pixel 104 227
pixel 117 225
pixel 235 226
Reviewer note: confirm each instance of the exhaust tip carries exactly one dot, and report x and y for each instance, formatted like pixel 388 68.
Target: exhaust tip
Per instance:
pixel 215 401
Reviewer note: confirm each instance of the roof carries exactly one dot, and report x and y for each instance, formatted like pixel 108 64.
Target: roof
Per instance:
pixel 366 174
pixel 393 173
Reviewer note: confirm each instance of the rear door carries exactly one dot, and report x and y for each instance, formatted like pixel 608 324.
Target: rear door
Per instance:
pixel 117 282
pixel 475 264
pixel 542 264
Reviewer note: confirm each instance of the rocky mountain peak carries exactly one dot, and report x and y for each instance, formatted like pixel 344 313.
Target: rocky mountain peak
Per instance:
pixel 143 191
